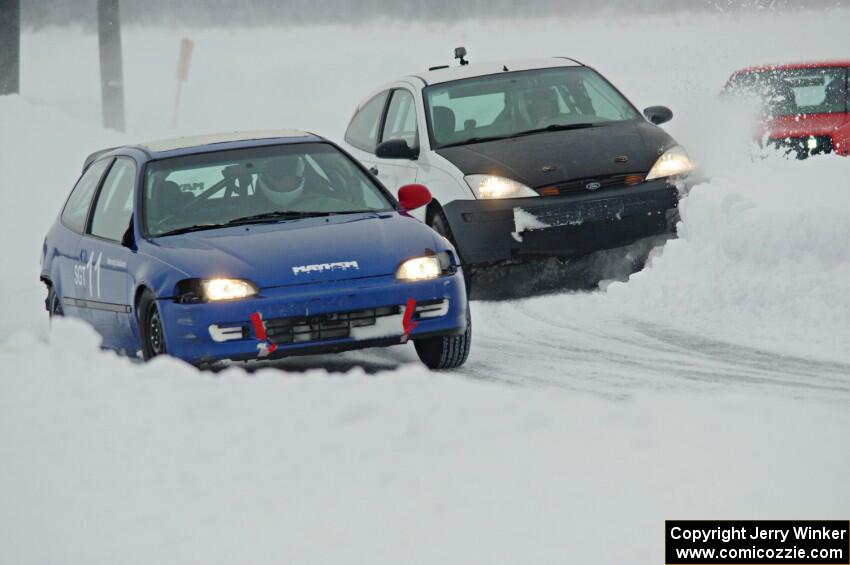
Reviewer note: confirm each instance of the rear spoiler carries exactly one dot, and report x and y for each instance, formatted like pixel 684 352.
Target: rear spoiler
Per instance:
pixel 93 157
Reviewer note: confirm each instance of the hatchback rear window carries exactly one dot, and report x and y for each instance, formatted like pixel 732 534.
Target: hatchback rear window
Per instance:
pixel 790 92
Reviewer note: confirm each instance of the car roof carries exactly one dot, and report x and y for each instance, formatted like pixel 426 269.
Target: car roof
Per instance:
pixel 164 145
pixel 447 74
pixel 207 143
pixel 789 66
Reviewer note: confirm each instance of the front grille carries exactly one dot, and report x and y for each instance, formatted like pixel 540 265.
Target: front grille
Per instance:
pixel 324 326
pixel 592 184
pixel 803 147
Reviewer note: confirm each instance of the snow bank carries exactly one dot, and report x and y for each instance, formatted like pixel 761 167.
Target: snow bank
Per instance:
pixel 107 462
pixel 762 258
pixel 41 156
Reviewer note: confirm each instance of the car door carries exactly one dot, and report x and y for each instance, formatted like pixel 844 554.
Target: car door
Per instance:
pixel 364 131
pixel 399 123
pixel 75 214
pixel 105 258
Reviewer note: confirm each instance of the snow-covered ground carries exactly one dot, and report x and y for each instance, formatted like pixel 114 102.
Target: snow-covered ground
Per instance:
pixel 713 384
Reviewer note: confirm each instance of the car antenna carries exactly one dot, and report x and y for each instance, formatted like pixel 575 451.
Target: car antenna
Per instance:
pixel 460 53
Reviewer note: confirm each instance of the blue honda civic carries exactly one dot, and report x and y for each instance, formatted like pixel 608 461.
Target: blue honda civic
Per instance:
pixel 251 246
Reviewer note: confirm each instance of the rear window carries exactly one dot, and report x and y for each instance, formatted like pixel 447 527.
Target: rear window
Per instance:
pixel 790 92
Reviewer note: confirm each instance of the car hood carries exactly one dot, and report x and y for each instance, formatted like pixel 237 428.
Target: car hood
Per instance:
pixel 803 125
pixel 301 251
pixel 552 157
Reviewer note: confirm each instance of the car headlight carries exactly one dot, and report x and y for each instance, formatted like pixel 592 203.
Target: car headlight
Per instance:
pixel 487 187
pixel 227 289
pixel 424 268
pixel 674 162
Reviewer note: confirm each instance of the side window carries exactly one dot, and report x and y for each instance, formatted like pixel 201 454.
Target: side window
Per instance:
pixel 362 132
pixel 114 206
pixel 401 119
pixel 77 208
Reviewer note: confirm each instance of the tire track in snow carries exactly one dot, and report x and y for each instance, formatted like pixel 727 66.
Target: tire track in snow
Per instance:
pixel 618 356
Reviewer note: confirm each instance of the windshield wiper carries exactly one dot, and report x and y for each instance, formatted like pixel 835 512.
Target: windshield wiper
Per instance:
pixel 474 140
pixel 555 127
pixel 187 229
pixel 275 216
pixel 258 218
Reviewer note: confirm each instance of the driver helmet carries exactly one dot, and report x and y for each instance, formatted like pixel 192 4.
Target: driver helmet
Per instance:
pixel 281 179
pixel 542 106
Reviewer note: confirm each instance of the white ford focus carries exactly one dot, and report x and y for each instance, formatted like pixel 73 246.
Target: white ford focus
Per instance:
pixel 524 158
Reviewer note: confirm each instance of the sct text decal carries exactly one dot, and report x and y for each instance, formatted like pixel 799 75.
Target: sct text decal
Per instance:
pixel 89 272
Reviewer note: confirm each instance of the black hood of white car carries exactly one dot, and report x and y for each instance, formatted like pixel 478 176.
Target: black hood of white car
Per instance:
pixel 541 159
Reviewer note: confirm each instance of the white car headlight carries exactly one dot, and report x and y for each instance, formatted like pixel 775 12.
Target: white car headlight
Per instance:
pixel 490 186
pixel 423 268
pixel 674 162
pixel 227 289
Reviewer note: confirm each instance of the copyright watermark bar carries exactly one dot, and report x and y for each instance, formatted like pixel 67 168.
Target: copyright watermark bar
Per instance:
pixel 757 542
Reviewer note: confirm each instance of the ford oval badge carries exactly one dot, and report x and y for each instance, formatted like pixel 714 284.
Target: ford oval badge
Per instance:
pixel 592 186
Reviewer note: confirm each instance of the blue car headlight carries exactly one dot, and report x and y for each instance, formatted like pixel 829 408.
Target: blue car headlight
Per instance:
pixel 227 289
pixel 424 268
pixel 192 291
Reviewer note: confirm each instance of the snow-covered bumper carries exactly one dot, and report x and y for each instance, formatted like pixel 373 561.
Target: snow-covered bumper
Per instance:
pixel 315 318
pixel 491 231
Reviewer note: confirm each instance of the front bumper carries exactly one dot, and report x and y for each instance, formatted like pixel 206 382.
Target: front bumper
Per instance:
pixel 486 231
pixel 207 332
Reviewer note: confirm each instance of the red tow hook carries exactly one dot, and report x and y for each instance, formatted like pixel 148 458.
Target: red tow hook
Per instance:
pixel 264 346
pixel 407 322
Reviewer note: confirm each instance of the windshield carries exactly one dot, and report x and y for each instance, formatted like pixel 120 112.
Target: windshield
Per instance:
pixel 791 92
pixel 255 184
pixel 508 104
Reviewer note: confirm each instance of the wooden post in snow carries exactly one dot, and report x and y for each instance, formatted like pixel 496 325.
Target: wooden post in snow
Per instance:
pixel 111 64
pixel 10 46
pixel 183 62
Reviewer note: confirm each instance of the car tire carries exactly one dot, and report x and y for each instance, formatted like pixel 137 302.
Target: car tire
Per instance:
pixel 445 352
pixel 440 224
pixel 150 327
pixel 54 305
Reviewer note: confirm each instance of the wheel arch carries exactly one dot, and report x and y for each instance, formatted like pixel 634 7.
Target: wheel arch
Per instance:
pixel 141 288
pixel 431 210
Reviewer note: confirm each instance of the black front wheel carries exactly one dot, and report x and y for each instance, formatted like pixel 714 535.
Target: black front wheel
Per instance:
pixel 150 327
pixel 445 352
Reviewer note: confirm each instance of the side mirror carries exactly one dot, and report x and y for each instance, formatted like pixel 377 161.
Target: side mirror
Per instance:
pixel 413 196
pixel 658 114
pixel 396 149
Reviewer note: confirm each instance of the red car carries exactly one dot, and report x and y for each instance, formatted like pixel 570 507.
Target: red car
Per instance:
pixel 806 105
